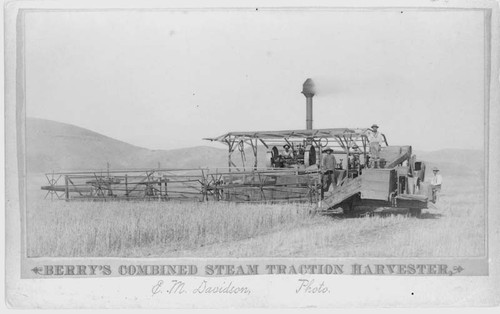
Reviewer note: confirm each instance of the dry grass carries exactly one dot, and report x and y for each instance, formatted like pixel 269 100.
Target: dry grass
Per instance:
pixel 123 229
pixel 455 228
pixel 450 231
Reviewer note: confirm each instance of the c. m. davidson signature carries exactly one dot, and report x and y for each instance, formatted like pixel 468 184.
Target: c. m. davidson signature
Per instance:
pixel 205 287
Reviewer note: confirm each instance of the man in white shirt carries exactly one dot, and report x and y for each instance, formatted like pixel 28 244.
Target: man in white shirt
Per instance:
pixel 436 182
pixel 287 153
pixel 375 138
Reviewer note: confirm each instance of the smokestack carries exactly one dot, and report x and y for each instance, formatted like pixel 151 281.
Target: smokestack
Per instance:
pixel 308 91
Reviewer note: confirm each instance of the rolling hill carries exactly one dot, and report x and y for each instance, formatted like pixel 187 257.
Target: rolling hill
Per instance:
pixel 455 162
pixel 56 146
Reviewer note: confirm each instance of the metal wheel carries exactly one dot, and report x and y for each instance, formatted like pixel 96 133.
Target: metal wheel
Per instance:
pixel 323 142
pixel 272 156
pixel 53 183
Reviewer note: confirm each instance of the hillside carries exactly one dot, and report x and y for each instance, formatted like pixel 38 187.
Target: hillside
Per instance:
pixel 55 146
pixel 60 147
pixel 454 161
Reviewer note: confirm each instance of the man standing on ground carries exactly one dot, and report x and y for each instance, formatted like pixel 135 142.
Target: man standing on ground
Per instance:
pixel 436 184
pixel 375 138
pixel 328 164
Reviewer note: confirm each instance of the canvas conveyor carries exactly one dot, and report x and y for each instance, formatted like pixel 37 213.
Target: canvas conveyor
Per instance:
pixel 340 193
pixel 391 156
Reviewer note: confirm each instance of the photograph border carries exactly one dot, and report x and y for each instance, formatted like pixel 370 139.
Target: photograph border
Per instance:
pixel 17 262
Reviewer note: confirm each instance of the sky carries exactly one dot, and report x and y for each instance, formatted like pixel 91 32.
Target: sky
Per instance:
pixel 167 79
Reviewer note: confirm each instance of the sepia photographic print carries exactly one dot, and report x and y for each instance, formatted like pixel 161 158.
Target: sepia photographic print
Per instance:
pixel 251 155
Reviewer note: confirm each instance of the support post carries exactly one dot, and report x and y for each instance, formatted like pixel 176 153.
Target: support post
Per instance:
pixel 66 188
pixel 204 186
pixel 216 185
pixel 254 148
pixel 241 148
pixel 230 147
pixel 126 186
pixel 166 191
pixel 159 194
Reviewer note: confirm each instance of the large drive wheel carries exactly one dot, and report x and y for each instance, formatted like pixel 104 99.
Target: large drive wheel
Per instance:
pixel 269 159
pixel 309 156
pixel 272 156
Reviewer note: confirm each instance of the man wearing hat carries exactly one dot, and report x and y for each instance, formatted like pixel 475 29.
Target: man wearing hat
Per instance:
pixel 287 153
pixel 436 183
pixel 375 138
pixel 328 164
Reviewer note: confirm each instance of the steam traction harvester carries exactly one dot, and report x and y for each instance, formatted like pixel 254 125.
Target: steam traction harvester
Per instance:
pixel 396 184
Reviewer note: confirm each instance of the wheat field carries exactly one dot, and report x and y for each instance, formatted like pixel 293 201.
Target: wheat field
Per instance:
pixel 132 228
pixel 455 226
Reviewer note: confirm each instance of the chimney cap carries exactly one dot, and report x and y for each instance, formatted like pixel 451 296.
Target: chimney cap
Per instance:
pixel 308 88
